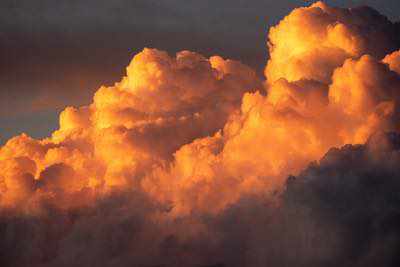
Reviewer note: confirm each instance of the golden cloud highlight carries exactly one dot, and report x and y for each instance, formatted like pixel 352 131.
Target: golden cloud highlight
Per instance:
pixel 197 134
pixel 185 161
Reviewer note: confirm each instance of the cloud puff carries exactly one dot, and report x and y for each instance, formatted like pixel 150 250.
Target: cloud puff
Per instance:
pixel 161 104
pixel 278 134
pixel 312 41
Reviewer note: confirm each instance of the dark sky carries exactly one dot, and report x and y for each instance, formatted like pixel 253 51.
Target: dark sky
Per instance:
pixel 57 53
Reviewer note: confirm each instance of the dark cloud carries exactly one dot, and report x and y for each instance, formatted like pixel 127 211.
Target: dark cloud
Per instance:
pixel 351 197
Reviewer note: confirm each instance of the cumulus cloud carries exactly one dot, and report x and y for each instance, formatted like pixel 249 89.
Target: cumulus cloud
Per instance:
pixel 184 162
pixel 353 191
pixel 340 211
pixel 163 103
pixel 301 116
pixel 312 41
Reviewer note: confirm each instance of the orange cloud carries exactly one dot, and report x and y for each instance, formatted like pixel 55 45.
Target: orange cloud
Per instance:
pixel 199 133
pixel 187 155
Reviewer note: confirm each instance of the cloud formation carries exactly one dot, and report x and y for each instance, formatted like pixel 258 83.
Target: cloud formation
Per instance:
pixel 185 161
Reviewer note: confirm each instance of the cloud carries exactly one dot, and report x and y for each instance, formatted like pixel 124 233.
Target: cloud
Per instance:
pixel 163 103
pixel 340 211
pixel 277 134
pixel 185 161
pixel 352 191
pixel 311 42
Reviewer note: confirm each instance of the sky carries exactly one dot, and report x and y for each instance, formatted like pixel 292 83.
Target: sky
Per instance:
pixel 287 155
pixel 57 53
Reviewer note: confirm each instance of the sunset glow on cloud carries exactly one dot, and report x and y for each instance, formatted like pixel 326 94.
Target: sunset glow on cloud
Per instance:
pixel 160 162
